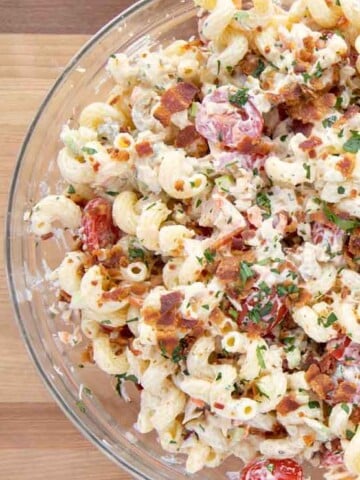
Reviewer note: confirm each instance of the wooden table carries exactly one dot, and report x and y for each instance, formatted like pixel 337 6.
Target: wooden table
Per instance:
pixel 37 38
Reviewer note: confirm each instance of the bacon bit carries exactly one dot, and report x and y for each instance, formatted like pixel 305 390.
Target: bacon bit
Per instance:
pixel 312 372
pixel 194 144
pixel 139 288
pixel 345 392
pixel 216 316
pixel 346 165
pixel 118 155
pixel 136 302
pixel 254 216
pixel 64 296
pixel 299 127
pixel 87 355
pixel 249 63
pixel 228 269
pixel 47 236
pixel 225 239
pixel 310 143
pixel 169 303
pixel 150 315
pixel 175 99
pixel 117 294
pixel 309 439
pixel 327 363
pixel 179 185
pixel 322 385
pixel 144 149
pixel 254 146
pixel 354 242
pixel 313 109
pixel 303 298
pixel 355 416
pixel 199 403
pixel 218 405
pixel 287 405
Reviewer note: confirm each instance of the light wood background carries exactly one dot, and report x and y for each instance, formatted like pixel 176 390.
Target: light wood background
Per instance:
pixel 37 38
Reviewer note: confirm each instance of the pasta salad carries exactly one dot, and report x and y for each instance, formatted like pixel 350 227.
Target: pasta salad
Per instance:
pixel 215 199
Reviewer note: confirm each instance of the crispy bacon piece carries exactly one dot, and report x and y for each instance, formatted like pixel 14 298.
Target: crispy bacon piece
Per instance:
pixel 194 144
pixel 144 149
pixel 310 143
pixel 169 303
pixel 355 416
pixel 228 269
pixel 312 372
pixel 99 230
pixel 299 127
pixel 175 99
pixel 354 242
pixel 320 383
pixel 287 405
pixel 313 109
pixel 118 155
pixel 346 165
pixel 345 392
pixel 64 296
pixel 254 147
pixel 117 294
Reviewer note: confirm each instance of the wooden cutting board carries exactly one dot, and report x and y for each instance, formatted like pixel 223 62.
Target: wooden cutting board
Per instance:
pixel 37 442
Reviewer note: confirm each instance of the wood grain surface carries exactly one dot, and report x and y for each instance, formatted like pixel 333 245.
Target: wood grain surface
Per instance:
pixel 37 442
pixel 58 16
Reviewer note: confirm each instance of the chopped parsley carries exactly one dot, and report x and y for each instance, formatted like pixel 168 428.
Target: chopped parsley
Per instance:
pixel 218 376
pixel 81 406
pixel 345 407
pixel 136 253
pixel 198 203
pixel 329 122
pixel 318 71
pixel 218 67
pixel 124 377
pixel 270 467
pixel 341 190
pixel 89 151
pixel 259 69
pixel 240 97
pixel 260 357
pixel 339 102
pixel 349 434
pixel 263 202
pixel 233 313
pixel 353 144
pixel 283 138
pixel 246 272
pixel 343 223
pixel 71 189
pixel 112 194
pixel 314 404
pixel 284 290
pixel 307 169
pixel 306 77
pixel 131 320
pixel 209 255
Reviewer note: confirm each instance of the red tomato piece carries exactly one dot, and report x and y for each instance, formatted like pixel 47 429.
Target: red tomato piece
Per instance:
pixel 262 311
pixel 273 469
pixel 337 347
pixel 220 121
pixel 98 228
pixel 328 236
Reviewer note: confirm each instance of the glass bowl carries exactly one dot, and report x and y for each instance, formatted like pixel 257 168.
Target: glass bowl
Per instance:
pixel 102 416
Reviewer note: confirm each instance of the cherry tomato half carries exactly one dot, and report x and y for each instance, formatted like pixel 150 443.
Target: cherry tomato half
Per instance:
pixel 220 121
pixel 262 312
pixel 273 469
pixel 98 228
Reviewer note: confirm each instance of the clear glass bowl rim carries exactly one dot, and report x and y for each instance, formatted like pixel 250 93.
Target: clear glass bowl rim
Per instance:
pixel 69 413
